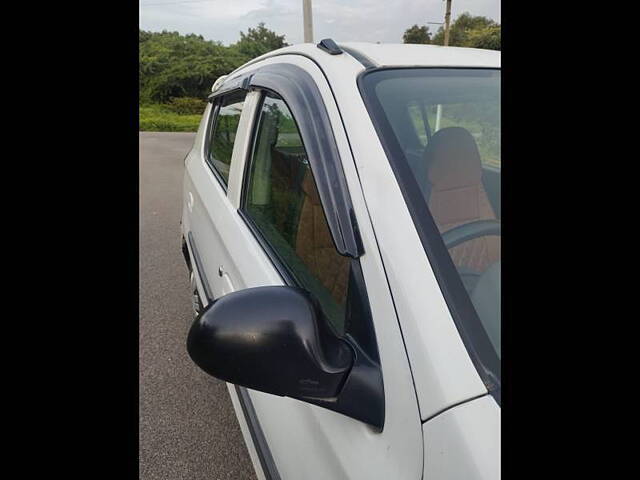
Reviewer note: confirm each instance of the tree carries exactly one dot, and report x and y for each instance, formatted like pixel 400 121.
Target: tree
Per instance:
pixel 488 38
pixel 173 65
pixel 471 31
pixel 258 41
pixel 417 34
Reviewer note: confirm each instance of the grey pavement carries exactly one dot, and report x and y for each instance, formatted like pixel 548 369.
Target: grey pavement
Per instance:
pixel 188 428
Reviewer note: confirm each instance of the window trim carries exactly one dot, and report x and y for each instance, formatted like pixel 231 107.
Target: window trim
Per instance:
pixel 285 271
pixel 288 276
pixel 212 123
pixel 305 102
pixel 465 317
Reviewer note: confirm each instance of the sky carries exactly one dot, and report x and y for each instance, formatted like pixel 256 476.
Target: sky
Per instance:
pixel 348 20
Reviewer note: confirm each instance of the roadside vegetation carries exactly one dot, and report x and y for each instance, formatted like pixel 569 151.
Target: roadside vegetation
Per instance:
pixel 176 71
pixel 465 31
pixel 159 118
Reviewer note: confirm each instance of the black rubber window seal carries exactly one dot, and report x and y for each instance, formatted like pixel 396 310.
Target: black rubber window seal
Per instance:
pixel 304 99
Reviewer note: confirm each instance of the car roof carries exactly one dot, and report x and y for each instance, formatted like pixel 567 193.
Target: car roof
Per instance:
pixel 371 55
pixel 394 55
pixel 400 54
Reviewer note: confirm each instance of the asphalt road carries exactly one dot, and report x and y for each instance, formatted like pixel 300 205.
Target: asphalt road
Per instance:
pixel 188 429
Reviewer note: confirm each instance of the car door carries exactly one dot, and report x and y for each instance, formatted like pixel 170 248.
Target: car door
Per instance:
pixel 274 228
pixel 206 186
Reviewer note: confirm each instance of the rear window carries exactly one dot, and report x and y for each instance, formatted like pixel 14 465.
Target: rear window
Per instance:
pixel 224 126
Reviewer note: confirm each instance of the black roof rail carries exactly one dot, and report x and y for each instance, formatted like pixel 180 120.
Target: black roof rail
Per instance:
pixel 365 61
pixel 332 48
pixel 329 46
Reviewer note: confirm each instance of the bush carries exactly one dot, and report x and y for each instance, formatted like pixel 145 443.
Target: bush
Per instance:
pixel 488 37
pixel 158 118
pixel 174 65
pixel 187 105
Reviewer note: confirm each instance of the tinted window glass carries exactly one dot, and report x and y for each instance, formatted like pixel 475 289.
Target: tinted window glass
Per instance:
pixel 223 136
pixel 283 202
pixel 456 166
pixel 419 121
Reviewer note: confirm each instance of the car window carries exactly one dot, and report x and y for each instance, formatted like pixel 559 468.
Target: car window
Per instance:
pixel 282 200
pixel 419 121
pixel 223 134
pixel 480 118
pixel 452 184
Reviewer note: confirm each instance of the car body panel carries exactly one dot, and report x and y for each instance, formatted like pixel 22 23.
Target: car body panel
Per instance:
pixel 463 443
pixel 389 54
pixel 342 447
pixel 428 374
pixel 246 433
pixel 443 372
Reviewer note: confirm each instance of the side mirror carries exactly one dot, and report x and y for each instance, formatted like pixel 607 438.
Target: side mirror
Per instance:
pixel 274 339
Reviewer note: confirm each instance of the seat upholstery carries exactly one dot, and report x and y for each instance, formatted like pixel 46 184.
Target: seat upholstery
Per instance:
pixel 315 247
pixel 299 216
pixel 457 195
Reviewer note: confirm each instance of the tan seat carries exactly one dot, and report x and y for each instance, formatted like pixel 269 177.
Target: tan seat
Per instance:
pixel 315 247
pixel 457 195
pixel 312 241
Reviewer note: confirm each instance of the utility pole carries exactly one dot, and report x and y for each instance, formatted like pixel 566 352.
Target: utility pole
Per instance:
pixel 447 22
pixel 447 18
pixel 307 20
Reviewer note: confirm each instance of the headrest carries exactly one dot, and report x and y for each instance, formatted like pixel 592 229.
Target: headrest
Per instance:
pixel 453 159
pixel 309 188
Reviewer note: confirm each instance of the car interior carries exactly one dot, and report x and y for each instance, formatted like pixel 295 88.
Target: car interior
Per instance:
pixel 456 185
pixel 460 190
pixel 284 203
pixel 448 128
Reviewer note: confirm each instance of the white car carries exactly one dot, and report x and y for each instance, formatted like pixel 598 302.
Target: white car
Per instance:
pixel 341 222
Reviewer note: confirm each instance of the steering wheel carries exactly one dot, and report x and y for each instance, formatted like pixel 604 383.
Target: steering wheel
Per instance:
pixel 469 231
pixel 483 287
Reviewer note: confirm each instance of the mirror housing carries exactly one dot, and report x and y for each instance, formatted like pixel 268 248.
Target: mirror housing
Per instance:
pixel 269 339
pixel 275 340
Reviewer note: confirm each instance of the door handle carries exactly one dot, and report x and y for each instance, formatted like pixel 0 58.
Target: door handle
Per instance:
pixel 190 202
pixel 227 284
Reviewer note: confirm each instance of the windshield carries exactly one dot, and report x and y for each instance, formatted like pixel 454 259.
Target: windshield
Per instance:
pixel 441 131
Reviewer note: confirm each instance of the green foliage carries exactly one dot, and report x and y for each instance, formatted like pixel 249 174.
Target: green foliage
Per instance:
pixel 258 41
pixel 487 37
pixel 471 31
pixel 187 105
pixel 173 65
pixel 417 34
pixel 176 73
pixel 159 118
